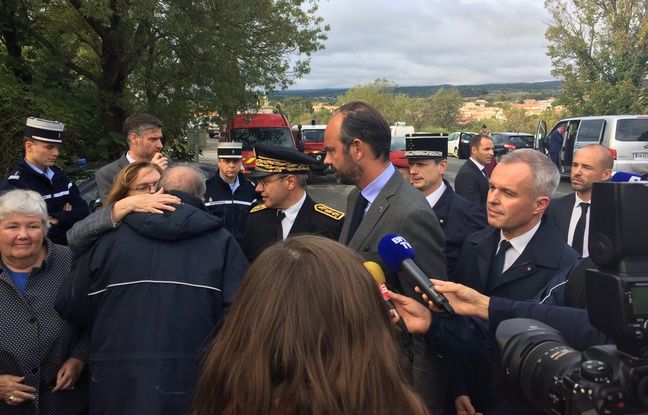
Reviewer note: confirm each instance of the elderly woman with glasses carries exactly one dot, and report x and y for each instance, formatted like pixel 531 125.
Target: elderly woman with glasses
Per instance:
pixel 135 190
pixel 41 355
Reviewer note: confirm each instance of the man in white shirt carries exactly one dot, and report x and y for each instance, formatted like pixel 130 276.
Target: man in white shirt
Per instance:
pixel 570 213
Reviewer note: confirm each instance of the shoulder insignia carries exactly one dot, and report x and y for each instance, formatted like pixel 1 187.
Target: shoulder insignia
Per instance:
pixel 15 176
pixel 330 212
pixel 258 208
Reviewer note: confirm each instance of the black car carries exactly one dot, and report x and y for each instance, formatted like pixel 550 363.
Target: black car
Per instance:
pixel 506 142
pixel 85 181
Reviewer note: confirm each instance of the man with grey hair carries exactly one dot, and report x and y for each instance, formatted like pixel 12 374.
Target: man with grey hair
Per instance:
pixel 515 257
pixel 144 135
pixel 153 290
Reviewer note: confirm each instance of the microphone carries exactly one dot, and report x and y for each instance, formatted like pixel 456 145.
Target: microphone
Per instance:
pixel 622 176
pixel 398 255
pixel 377 273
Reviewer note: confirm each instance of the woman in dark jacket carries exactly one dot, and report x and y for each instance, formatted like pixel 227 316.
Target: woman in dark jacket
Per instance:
pixel 41 355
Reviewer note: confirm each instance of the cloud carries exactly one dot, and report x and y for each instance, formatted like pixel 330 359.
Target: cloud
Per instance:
pixel 419 42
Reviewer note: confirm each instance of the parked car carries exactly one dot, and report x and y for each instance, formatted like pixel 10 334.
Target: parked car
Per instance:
pixel 458 144
pixel 506 142
pixel 85 181
pixel 625 135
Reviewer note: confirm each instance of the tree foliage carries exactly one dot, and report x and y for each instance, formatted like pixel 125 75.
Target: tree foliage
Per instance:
pixel 172 58
pixel 599 49
pixel 445 108
pixel 381 95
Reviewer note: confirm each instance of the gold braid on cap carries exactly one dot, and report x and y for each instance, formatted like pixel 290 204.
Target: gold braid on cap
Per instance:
pixel 278 166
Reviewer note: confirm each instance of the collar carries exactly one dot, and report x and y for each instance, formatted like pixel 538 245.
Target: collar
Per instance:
pixel 48 172
pixel 434 197
pixel 129 158
pixel 371 191
pixel 480 166
pixel 578 200
pixel 520 242
pixel 291 212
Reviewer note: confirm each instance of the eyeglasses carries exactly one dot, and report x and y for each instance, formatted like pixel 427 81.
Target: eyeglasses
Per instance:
pixel 145 187
pixel 264 183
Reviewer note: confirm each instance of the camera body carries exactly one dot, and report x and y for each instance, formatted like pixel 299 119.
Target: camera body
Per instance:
pixel 537 369
pixel 532 364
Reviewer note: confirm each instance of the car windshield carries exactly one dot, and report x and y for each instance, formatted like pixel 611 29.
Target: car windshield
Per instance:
pixel 273 136
pixel 313 135
pixel 521 139
pixel 632 129
pixel 397 143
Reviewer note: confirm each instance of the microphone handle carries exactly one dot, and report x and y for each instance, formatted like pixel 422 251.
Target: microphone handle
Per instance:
pixel 424 283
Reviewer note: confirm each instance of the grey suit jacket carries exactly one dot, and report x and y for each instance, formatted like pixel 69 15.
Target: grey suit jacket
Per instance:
pixel 86 232
pixel 106 175
pixel 401 209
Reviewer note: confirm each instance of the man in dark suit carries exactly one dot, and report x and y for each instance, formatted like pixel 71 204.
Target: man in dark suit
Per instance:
pixel 287 209
pixel 428 160
pixel 144 135
pixel 471 181
pixel 357 141
pixel 592 163
pixel 515 257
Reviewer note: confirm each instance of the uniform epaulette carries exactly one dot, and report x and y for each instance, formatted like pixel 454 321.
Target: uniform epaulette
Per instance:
pixel 258 208
pixel 328 211
pixel 15 176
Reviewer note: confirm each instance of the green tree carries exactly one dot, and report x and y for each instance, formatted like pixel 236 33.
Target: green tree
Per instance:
pixel 381 95
pixel 445 108
pixel 599 51
pixel 171 58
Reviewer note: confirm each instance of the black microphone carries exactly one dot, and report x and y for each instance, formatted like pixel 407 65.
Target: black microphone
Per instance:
pixel 398 255
pixel 378 275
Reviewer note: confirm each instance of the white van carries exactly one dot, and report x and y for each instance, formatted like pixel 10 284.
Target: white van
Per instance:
pixel 625 135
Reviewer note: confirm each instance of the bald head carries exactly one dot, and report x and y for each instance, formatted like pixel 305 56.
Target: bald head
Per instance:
pixel 185 178
pixel 592 163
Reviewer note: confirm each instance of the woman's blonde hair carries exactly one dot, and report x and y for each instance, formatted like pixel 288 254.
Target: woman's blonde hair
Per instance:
pixel 126 179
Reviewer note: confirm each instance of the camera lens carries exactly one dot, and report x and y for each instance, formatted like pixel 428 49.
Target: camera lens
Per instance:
pixel 543 368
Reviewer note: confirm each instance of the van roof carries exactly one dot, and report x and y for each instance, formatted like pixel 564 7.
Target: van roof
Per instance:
pixel 310 127
pixel 604 117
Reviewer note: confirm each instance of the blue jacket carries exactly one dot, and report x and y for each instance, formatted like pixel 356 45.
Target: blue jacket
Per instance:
pixel 56 194
pixel 232 208
pixel 154 289
pixel 458 218
pixel 555 142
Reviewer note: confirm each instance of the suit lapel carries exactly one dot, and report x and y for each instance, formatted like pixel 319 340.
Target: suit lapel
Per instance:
pixel 375 212
pixel 303 223
pixel 485 252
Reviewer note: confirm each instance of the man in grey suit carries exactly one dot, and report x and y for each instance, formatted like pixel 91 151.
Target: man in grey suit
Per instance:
pixel 357 141
pixel 570 213
pixel 144 135
pixel 471 181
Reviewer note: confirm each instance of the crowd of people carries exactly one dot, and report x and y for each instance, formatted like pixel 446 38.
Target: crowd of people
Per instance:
pixel 186 295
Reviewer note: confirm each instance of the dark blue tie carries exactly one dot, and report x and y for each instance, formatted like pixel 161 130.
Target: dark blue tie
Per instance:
pixel 579 231
pixel 358 214
pixel 500 258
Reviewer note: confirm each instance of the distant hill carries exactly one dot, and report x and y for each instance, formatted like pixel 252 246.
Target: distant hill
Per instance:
pixel 466 91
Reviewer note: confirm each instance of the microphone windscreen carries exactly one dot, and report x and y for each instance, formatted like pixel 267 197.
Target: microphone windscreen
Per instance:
pixel 393 250
pixel 376 272
pixel 622 176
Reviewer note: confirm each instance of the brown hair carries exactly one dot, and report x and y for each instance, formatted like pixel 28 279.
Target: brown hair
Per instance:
pixel 308 333
pixel 126 179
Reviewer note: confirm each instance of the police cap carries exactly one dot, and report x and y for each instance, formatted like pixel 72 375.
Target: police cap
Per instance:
pixel 279 160
pixel 44 130
pixel 426 147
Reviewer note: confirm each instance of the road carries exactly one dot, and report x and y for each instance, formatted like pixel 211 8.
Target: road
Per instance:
pixel 325 189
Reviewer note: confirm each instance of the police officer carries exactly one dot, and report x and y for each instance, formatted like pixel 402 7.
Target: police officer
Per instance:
pixel 230 196
pixel 428 160
pixel 287 209
pixel 37 172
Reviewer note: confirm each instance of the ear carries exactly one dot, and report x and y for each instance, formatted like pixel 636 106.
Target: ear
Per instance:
pixel 443 165
pixel 541 204
pixel 292 181
pixel 357 149
pixel 132 138
pixel 28 146
pixel 607 174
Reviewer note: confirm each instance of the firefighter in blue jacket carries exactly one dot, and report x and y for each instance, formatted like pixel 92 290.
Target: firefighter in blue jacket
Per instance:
pixel 37 172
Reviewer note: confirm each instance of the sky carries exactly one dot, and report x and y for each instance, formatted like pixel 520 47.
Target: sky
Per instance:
pixel 430 42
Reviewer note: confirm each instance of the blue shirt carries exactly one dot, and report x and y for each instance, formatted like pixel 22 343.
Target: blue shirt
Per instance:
pixel 20 278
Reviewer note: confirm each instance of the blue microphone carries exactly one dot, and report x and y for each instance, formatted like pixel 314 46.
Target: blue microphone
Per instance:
pixel 398 254
pixel 622 176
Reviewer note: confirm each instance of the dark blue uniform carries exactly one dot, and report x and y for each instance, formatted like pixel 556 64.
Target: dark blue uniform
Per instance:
pixel 232 208
pixel 56 194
